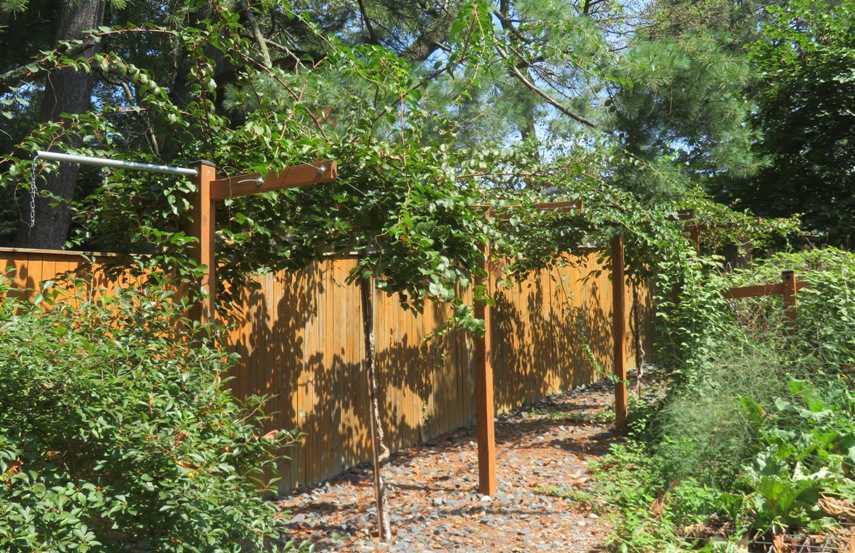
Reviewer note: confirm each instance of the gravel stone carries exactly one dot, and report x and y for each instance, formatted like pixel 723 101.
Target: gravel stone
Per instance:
pixel 433 503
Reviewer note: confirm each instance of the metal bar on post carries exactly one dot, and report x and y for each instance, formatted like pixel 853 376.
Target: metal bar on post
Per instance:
pixel 619 329
pixel 484 406
pixel 117 163
pixel 203 228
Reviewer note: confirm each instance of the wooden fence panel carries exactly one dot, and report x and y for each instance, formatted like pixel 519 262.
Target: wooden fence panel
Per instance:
pixel 299 337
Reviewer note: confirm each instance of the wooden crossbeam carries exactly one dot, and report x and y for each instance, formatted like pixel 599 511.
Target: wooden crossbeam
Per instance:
pixel 752 291
pixel 555 207
pixel 209 189
pixel 562 207
pixel 760 290
pixel 296 176
pixel 788 288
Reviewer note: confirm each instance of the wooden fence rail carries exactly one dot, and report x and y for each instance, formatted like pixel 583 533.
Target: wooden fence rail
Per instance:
pixel 788 287
pixel 299 340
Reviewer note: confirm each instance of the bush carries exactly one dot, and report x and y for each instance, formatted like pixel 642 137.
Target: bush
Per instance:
pixel 705 433
pixel 759 417
pixel 727 353
pixel 117 434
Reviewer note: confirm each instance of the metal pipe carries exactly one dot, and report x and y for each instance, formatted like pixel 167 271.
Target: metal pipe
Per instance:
pixel 118 163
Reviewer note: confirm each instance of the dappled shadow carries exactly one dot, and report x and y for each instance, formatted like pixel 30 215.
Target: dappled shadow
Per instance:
pixel 551 333
pixel 434 501
pixel 73 276
pixel 300 340
pixel 18 277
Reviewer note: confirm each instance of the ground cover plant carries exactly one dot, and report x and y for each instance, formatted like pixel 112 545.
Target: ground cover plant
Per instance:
pixel 754 438
pixel 117 434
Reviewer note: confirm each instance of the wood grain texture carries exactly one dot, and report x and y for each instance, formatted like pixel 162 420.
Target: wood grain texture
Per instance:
pixel 305 174
pixel 299 339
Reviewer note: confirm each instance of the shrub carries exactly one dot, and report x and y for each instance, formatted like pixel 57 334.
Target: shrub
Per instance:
pixel 117 434
pixel 705 433
pixel 727 353
pixel 759 418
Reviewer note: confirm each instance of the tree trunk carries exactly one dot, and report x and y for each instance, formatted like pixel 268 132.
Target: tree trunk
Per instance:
pixel 378 449
pixel 639 339
pixel 432 37
pixel 66 91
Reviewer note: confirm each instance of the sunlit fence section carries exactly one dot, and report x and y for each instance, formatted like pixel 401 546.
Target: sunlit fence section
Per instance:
pixel 299 336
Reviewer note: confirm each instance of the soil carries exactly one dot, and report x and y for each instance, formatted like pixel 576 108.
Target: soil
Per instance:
pixel 543 456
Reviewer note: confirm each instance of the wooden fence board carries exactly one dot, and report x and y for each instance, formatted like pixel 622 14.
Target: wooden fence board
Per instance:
pixel 299 337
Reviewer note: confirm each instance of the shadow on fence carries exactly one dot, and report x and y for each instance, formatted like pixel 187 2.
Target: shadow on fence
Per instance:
pixel 299 337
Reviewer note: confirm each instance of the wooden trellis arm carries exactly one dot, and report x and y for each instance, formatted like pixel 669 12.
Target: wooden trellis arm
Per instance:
pixel 296 176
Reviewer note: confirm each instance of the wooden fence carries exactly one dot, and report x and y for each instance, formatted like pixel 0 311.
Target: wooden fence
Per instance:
pixel 299 339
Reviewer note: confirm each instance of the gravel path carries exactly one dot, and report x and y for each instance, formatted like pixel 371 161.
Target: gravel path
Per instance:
pixel 543 454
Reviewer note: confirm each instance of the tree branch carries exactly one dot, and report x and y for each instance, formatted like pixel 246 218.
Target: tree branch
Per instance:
pixel 541 93
pixel 44 65
pixel 40 67
pixel 372 36
pixel 256 32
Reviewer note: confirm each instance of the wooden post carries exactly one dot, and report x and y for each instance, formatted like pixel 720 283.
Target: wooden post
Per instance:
pixel 788 280
pixel 203 229
pixel 694 227
pixel 209 189
pixel 619 329
pixel 695 236
pixel 484 406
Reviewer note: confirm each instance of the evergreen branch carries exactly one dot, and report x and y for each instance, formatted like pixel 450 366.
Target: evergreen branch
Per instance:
pixel 430 40
pixel 541 93
pixel 42 66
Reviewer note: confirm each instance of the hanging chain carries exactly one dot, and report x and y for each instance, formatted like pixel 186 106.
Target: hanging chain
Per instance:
pixel 33 193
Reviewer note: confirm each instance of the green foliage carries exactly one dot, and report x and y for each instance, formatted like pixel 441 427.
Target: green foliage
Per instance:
pixel 757 425
pixel 678 105
pixel 809 438
pixel 785 498
pixel 406 197
pixel 705 432
pixel 116 431
pixel 405 200
pixel 735 24
pixel 630 483
pixel 806 117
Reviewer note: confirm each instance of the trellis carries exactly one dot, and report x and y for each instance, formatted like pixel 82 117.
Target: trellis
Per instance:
pixel 209 189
